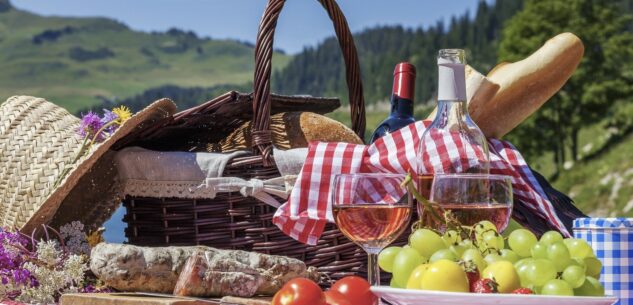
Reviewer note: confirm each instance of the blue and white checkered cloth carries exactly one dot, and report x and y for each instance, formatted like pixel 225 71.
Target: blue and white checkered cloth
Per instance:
pixel 612 241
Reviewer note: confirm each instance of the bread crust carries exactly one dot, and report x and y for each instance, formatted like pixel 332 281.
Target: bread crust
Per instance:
pixel 524 86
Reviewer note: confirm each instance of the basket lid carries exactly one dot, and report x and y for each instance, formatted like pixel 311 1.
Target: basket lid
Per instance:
pixel 603 223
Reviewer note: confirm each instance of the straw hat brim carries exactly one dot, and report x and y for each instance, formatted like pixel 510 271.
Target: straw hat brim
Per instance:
pixel 46 210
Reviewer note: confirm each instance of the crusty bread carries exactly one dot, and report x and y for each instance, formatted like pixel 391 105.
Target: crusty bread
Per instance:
pixel 291 130
pixel 524 86
pixel 479 91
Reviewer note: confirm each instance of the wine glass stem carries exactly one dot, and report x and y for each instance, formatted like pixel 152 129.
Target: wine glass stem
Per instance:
pixel 373 271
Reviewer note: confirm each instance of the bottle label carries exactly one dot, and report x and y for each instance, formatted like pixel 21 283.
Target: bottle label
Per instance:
pixel 451 81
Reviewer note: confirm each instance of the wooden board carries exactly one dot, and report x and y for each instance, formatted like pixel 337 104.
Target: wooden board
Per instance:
pixel 127 299
pixel 145 299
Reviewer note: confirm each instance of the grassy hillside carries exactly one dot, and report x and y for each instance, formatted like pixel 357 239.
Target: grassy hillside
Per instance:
pixel 601 183
pixel 603 186
pixel 78 61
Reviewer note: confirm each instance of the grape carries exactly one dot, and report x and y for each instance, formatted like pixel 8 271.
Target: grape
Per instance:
pixel 579 262
pixel 539 271
pixel 559 255
pixel 386 257
pixel 426 242
pixel 394 284
pixel 509 255
pixel 482 228
pixel 467 243
pixel 574 276
pixel 591 287
pixel 403 264
pixel 594 267
pixel 522 262
pixel 521 242
pixel 539 250
pixel 492 257
pixel 458 250
pixel 551 237
pixel 474 256
pixel 492 241
pixel 557 287
pixel 451 237
pixel 485 226
pixel 521 267
pixel 579 248
pixel 443 254
pixel 504 274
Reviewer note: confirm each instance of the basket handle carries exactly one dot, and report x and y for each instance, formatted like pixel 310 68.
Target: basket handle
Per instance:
pixel 261 134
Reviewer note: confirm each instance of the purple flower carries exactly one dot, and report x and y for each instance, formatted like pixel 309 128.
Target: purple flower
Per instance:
pixel 109 116
pixel 90 124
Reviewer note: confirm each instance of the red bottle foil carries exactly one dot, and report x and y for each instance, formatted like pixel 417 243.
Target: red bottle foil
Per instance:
pixel 404 80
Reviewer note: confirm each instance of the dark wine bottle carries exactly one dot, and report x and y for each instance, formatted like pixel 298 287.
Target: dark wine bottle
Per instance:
pixel 401 101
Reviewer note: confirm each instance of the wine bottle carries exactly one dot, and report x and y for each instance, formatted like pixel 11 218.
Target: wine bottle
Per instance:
pixel 466 150
pixel 401 101
pixel 452 121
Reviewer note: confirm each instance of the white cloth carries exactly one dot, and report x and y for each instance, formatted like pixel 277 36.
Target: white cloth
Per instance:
pixel 143 164
pixel 148 173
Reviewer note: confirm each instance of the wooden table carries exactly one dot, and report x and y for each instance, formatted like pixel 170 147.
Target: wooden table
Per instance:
pixel 145 299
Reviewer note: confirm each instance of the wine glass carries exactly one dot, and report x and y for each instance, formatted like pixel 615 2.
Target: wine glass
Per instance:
pixel 470 198
pixel 372 210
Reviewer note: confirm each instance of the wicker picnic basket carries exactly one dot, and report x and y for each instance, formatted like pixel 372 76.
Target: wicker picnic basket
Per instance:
pixel 230 220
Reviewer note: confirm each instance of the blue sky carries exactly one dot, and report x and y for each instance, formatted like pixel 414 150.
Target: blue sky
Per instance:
pixel 302 22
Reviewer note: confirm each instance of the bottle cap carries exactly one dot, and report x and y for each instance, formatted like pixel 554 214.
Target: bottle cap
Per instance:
pixel 404 80
pixel 404 67
pixel 451 78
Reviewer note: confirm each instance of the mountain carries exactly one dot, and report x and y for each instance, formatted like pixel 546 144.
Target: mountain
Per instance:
pixel 76 62
pixel 320 71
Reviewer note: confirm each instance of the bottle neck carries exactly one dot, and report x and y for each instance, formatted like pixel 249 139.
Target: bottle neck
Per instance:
pixel 452 113
pixel 401 107
pixel 403 90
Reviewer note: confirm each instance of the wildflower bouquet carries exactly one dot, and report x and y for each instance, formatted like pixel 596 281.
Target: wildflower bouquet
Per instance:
pixel 94 129
pixel 39 272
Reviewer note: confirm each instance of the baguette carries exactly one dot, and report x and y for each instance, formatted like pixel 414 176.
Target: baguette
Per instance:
pixel 524 86
pixel 479 91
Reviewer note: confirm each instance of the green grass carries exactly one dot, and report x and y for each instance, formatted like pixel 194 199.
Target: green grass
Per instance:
pixel 603 186
pixel 601 182
pixel 141 60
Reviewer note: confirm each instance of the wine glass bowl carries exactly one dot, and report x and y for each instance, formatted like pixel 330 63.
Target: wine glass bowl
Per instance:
pixel 470 198
pixel 371 210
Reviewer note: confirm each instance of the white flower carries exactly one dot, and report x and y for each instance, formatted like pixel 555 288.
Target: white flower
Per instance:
pixel 47 252
pixel 55 276
pixel 75 238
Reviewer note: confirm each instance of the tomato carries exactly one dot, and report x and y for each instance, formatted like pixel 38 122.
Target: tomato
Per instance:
pixel 299 291
pixel 333 297
pixel 356 289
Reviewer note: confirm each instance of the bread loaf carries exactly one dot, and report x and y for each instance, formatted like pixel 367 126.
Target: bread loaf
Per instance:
pixel 524 86
pixel 291 130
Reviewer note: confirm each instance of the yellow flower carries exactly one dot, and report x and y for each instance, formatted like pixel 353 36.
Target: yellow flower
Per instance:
pixel 95 237
pixel 123 113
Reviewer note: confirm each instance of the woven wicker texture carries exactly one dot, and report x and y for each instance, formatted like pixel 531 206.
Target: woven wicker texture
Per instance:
pixel 37 140
pixel 230 220
pixel 35 145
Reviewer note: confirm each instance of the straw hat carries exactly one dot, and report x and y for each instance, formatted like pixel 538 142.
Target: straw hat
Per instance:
pixel 37 140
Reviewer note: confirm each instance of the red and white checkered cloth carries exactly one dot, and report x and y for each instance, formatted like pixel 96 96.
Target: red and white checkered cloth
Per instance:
pixel 309 206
